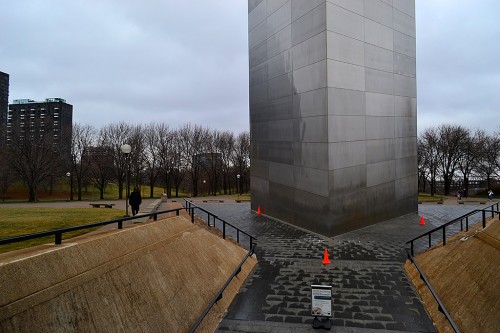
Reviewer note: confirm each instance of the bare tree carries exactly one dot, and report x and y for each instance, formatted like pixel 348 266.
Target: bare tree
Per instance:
pixel 101 166
pixel 193 141
pixel 137 155
pixel 468 157
pixel 34 154
pixel 429 156
pixel 82 140
pixel 113 136
pixel 6 176
pixel 151 155
pixel 241 160
pixel 164 147
pixel 178 168
pixel 212 161
pixel 450 143
pixel 489 150
pixel 224 143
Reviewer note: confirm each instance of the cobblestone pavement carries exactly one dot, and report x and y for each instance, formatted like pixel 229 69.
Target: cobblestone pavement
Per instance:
pixel 371 292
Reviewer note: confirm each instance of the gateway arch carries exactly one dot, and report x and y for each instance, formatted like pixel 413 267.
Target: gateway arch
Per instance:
pixel 333 111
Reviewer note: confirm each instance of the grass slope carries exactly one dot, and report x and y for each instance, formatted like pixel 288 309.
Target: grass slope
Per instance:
pixel 20 221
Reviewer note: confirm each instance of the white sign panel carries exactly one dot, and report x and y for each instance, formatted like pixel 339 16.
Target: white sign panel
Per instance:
pixel 321 301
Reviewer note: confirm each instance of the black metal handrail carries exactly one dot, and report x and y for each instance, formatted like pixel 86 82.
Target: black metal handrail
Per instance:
pixel 441 307
pixel 218 295
pixel 59 232
pixel 489 209
pixel 190 207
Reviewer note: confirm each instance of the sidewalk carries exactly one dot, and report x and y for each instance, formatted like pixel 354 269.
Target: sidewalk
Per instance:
pixel 118 204
pixel 453 200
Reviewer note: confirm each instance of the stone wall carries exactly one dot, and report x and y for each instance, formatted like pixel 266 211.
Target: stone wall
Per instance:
pixel 155 277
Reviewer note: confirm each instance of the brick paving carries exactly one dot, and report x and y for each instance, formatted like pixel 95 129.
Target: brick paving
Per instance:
pixel 371 292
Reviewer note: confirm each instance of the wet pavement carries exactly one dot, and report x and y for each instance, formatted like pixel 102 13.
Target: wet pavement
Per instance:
pixel 371 292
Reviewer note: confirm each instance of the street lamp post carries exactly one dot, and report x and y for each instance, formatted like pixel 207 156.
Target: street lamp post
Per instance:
pixel 68 174
pixel 203 189
pixel 126 149
pixel 238 185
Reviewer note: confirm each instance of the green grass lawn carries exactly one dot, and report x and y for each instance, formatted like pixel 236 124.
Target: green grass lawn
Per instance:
pixel 21 221
pixel 18 192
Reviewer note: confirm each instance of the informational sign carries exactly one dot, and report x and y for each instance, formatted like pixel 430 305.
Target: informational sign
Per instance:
pixel 321 301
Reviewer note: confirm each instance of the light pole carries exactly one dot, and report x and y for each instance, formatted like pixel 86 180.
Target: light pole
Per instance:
pixel 203 189
pixel 238 185
pixel 126 149
pixel 68 174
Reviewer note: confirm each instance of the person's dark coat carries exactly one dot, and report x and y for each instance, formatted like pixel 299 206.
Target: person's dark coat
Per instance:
pixel 135 199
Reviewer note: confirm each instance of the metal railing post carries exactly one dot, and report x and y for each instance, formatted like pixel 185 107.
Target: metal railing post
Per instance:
pixel 430 241
pixel 120 224
pixel 484 218
pixel 155 217
pixel 58 238
pixel 444 235
pixel 492 211
pixel 177 212
pixel 467 223
pixel 192 215
pixel 224 229
pixel 411 247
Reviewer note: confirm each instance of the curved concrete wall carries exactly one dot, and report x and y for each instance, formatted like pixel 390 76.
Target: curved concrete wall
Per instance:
pixel 157 277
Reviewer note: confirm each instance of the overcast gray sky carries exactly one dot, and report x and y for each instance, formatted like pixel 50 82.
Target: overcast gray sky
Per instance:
pixel 179 61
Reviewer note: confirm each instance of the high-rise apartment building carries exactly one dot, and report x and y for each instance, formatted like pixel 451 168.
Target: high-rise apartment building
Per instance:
pixel 4 104
pixel 333 111
pixel 52 118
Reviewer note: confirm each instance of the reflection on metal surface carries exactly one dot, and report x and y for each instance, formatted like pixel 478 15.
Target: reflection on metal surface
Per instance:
pixel 333 112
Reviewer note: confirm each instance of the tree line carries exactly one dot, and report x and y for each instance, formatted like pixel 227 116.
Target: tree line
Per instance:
pixel 454 154
pixel 177 159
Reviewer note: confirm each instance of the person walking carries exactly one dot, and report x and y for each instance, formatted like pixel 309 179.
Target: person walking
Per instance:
pixel 135 201
pixel 490 195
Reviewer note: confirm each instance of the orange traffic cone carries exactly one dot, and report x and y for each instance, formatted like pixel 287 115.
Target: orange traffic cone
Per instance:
pixel 326 261
pixel 422 220
pixel 258 210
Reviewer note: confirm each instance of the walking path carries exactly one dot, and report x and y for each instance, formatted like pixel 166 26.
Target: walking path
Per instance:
pixel 118 204
pixel 371 292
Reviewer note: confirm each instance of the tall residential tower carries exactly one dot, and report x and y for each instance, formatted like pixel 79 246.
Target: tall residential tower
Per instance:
pixel 333 113
pixel 4 104
pixel 52 117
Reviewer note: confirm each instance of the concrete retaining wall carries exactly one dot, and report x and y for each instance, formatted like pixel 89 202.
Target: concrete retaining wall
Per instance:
pixel 157 277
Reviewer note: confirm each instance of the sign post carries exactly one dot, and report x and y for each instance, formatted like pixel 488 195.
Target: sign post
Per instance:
pixel 321 306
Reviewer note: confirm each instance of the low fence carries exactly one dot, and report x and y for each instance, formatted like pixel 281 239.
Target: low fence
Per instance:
pixel 57 233
pixel 441 307
pixel 225 227
pixel 441 230
pixel 493 209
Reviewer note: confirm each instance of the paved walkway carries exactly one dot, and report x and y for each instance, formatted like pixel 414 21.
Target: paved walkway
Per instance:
pixel 118 204
pixel 371 292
